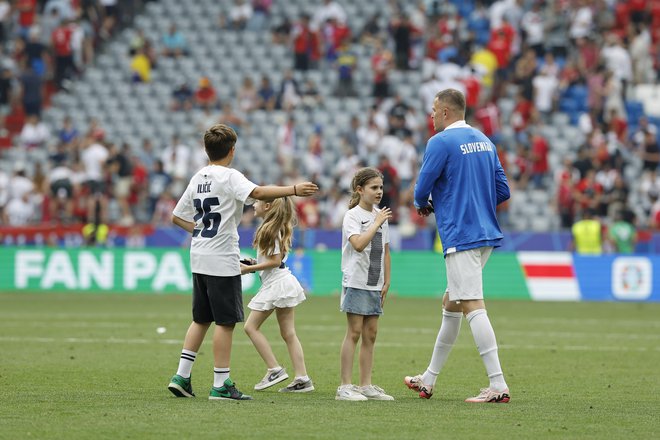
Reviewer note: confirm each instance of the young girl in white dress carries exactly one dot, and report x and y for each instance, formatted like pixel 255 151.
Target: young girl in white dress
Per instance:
pixel 280 292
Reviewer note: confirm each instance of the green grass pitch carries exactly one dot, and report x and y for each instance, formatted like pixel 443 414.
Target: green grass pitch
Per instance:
pixel 93 367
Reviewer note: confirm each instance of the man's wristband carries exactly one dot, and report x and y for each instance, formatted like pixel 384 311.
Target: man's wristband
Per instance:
pixel 295 193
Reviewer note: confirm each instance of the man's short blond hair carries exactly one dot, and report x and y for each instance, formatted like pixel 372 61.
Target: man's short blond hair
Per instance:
pixel 453 99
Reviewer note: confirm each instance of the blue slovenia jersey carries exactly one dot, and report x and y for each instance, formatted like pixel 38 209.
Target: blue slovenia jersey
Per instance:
pixel 463 175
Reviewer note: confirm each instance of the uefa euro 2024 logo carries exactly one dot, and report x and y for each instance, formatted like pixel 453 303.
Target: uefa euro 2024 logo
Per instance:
pixel 632 278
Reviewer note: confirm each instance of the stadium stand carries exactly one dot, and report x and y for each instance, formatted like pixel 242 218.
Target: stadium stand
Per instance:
pixel 545 99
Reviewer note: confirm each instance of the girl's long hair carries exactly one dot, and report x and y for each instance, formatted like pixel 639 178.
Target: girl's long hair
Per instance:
pixel 278 223
pixel 360 179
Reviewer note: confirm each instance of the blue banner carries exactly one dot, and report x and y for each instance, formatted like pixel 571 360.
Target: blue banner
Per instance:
pixel 618 277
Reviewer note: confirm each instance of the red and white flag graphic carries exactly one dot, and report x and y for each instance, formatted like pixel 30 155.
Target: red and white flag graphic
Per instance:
pixel 550 276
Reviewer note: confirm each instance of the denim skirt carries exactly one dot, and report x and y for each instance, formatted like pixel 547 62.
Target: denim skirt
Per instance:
pixel 360 301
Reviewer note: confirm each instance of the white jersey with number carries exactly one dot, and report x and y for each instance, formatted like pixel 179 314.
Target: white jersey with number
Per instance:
pixel 366 269
pixel 214 201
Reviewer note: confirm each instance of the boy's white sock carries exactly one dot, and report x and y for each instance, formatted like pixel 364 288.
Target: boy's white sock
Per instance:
pixel 484 337
pixel 304 378
pixel 219 376
pixel 451 325
pixel 186 363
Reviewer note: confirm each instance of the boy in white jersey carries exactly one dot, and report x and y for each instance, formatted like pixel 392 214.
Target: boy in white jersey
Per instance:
pixel 210 209
pixel 365 263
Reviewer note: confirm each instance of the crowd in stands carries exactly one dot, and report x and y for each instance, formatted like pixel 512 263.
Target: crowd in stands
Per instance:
pixel 583 58
pixel 45 47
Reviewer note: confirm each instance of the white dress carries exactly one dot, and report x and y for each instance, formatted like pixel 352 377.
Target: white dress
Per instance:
pixel 279 287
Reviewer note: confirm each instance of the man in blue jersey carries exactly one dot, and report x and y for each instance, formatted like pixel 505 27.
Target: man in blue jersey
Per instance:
pixel 463 175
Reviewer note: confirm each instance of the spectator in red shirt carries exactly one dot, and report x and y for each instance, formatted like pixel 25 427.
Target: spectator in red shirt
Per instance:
pixel 501 40
pixel 588 192
pixel 308 212
pixel 341 33
pixel 335 33
pixel 27 11
pixel 139 187
pixel 63 51
pixel 434 44
pixel 565 202
pixel 520 117
pixel 539 158
pixel 488 117
pixel 522 167
pixel 618 125
pixel 206 96
pixel 304 42
pixel 447 25
pixel 622 15
pixel 472 91
pixel 588 54
pixel 381 64
pixel 391 185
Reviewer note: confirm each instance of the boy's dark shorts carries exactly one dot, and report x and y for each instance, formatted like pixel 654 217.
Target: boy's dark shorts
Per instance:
pixel 217 299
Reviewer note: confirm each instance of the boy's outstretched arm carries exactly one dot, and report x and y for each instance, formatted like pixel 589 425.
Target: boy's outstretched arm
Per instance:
pixel 183 224
pixel 270 192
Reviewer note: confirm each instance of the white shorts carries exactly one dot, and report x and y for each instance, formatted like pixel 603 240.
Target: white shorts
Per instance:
pixel 464 269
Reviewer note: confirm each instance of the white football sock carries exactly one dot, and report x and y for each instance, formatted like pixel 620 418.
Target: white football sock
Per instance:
pixel 186 363
pixel 484 337
pixel 451 324
pixel 219 376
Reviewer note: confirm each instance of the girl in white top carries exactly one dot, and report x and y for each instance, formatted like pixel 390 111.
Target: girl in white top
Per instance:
pixel 280 292
pixel 365 263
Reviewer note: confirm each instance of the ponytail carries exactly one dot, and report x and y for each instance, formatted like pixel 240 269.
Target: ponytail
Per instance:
pixel 355 200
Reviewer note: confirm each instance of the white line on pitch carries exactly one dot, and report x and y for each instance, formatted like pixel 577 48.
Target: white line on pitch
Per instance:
pixel 545 334
pixel 66 324
pixel 383 344
pixel 339 328
pixel 125 315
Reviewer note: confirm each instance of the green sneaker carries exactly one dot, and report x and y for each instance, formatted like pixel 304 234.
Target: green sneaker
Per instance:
pixel 180 386
pixel 227 391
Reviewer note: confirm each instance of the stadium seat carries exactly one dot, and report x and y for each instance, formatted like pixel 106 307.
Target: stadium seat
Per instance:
pixel 560 145
pixel 579 94
pixel 649 95
pixel 634 110
pixel 560 119
pixel 571 134
pixel 540 223
pixel 539 197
